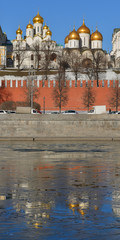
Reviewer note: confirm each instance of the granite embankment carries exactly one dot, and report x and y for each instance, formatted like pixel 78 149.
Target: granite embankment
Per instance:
pixel 59 127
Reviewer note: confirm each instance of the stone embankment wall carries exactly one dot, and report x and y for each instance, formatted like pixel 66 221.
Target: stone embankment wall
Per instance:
pixel 59 127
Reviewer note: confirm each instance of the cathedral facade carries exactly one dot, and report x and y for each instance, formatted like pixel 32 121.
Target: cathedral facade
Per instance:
pixel 28 52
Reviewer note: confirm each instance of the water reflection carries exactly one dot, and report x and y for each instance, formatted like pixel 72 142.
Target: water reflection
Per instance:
pixel 63 191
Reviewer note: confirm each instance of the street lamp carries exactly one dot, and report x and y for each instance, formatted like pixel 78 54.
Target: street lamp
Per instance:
pixel 44 105
pixel 31 78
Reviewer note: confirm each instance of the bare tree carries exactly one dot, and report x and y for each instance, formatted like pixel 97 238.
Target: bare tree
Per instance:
pixel 88 97
pixel 114 99
pixel 31 90
pixel 20 54
pixel 63 65
pixel 60 92
pixel 46 59
pixel 36 50
pixel 99 62
pixel 75 64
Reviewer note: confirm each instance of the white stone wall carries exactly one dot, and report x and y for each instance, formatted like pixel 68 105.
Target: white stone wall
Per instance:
pixel 44 32
pixel 84 40
pixel 19 37
pixel 38 28
pixel 96 44
pixel 73 44
pixel 29 32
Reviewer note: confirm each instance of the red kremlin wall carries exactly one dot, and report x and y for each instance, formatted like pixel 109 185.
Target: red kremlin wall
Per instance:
pixel 16 92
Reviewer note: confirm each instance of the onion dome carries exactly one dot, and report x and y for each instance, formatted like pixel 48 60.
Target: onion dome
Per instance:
pixel 38 19
pixel 19 31
pixel 45 27
pixel 74 35
pixel 66 39
pixel 49 32
pixel 83 28
pixel 96 36
pixel 29 25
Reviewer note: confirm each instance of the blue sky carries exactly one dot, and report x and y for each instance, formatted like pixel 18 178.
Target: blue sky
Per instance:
pixel 61 16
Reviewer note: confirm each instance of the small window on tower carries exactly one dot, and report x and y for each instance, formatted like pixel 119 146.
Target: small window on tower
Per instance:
pixel 84 41
pixel 32 57
pixel 38 29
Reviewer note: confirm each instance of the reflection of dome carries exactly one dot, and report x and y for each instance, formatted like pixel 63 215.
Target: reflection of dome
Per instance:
pixel 66 39
pixel 45 27
pixel 29 25
pixel 74 35
pixel 83 29
pixel 19 31
pixel 115 203
pixel 38 19
pixel 96 36
pixel 49 32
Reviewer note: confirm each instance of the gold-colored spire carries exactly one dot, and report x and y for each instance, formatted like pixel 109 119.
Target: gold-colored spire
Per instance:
pixel 45 27
pixel 49 32
pixel 38 19
pixel 96 35
pixel 74 35
pixel 83 28
pixel 19 31
pixel 29 25
pixel 83 22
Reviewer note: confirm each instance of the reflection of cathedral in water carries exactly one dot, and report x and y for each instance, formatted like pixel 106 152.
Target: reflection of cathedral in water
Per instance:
pixel 47 184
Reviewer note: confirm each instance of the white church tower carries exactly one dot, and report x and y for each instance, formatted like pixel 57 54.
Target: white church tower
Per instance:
pixel 84 33
pixel 38 23
pixel 19 34
pixel 96 40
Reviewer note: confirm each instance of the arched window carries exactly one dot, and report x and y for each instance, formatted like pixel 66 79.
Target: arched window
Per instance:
pixel 53 57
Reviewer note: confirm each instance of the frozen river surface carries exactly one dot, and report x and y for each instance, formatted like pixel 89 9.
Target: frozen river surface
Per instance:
pixel 64 191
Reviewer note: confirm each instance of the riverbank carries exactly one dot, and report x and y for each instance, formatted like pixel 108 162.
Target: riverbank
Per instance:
pixel 60 127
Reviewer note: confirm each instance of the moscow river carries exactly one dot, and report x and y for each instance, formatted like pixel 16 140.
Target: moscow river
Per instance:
pixel 64 191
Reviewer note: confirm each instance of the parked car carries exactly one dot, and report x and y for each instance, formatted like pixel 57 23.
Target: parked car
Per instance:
pixel 54 112
pixel 113 112
pixel 34 111
pixel 39 111
pixel 10 111
pixel 70 112
pixel 3 112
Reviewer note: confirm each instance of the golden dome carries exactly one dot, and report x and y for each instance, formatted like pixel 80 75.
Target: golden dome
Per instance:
pixel 19 31
pixel 83 29
pixel 45 27
pixel 29 25
pixel 49 32
pixel 38 19
pixel 74 35
pixel 66 39
pixel 96 36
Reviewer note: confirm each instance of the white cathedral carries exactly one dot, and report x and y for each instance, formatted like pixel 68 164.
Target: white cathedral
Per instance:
pixel 82 38
pixel 37 39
